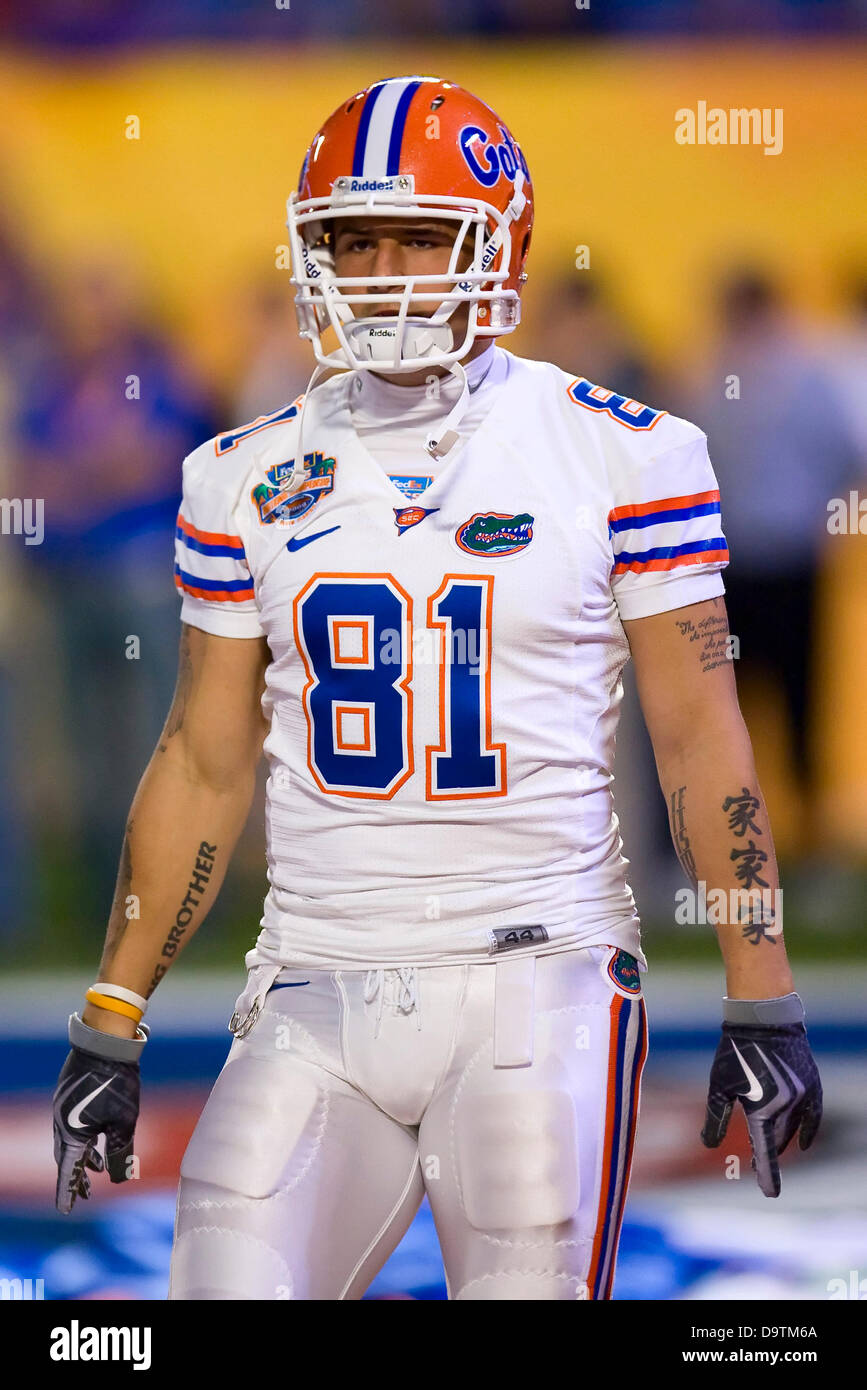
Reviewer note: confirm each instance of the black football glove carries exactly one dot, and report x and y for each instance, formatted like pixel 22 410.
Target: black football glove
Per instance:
pixel 764 1061
pixel 97 1093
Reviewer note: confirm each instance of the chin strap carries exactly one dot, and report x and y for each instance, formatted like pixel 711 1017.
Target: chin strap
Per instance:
pixel 445 437
pixel 441 440
pixel 297 478
pixel 318 372
pixel 438 443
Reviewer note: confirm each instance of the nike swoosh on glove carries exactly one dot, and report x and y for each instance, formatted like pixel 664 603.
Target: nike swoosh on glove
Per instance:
pixel 94 1095
pixel 773 1074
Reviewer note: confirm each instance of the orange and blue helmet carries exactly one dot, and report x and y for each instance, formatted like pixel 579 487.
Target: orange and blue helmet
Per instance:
pixel 411 147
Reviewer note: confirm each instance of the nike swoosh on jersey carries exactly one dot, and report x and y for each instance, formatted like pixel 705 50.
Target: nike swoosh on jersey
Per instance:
pixel 755 1092
pixel 296 542
pixel 74 1120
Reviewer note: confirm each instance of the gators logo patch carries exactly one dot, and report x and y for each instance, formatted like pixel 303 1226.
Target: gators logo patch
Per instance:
pixel 495 533
pixel 285 498
pixel 622 970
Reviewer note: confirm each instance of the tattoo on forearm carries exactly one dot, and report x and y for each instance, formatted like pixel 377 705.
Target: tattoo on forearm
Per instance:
pixel 677 816
pixel 750 860
pixel 178 710
pixel 199 879
pixel 760 924
pixel 741 811
pixel 756 910
pixel 712 634
pixel 759 918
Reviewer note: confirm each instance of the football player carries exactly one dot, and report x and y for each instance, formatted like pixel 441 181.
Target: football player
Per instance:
pixel 420 583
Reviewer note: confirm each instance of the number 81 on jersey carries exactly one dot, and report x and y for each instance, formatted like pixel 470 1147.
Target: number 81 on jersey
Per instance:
pixel 354 634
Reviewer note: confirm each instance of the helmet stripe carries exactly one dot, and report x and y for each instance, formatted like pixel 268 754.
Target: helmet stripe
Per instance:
pixel 378 143
pixel 363 128
pixel 397 128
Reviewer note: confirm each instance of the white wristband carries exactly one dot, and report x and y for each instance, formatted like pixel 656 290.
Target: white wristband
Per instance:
pixel 128 996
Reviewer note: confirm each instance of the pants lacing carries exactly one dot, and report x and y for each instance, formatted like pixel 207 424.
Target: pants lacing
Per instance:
pixel 405 988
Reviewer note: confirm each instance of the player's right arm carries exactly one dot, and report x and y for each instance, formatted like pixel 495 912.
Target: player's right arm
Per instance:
pixel 184 823
pixel 187 814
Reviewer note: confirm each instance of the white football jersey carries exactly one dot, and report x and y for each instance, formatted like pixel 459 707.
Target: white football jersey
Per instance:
pixel 446 667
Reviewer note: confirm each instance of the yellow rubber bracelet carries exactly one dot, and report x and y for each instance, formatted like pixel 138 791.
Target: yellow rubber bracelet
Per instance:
pixel 116 1006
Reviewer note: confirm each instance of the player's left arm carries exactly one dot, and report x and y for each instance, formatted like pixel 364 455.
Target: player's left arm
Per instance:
pixel 720 828
pixel 704 758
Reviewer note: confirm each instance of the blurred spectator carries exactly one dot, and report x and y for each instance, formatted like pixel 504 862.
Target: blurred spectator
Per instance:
pixel 577 327
pixel 116 22
pixel 20 312
pixel 274 364
pixel 782 446
pixel 112 411
pixel 846 358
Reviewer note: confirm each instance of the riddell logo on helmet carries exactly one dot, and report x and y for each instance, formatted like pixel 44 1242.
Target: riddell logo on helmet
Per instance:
pixel 370 186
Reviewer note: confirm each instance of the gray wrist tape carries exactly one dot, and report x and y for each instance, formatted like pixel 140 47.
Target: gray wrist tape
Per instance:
pixel 106 1045
pixel 768 1012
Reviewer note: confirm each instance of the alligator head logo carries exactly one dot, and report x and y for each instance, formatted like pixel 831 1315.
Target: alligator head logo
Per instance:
pixel 495 533
pixel 623 970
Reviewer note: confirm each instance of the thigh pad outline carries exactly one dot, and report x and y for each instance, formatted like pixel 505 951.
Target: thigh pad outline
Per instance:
pixel 517 1157
pixel 260 1129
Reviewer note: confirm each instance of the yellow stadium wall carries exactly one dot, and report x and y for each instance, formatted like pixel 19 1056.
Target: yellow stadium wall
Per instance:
pixel 196 204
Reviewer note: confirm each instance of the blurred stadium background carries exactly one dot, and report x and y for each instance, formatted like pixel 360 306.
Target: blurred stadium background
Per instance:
pixel 158 257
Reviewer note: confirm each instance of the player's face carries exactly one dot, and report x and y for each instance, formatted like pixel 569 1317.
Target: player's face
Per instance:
pixel 383 246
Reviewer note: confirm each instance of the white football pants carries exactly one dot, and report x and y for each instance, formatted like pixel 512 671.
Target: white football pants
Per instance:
pixel 506 1090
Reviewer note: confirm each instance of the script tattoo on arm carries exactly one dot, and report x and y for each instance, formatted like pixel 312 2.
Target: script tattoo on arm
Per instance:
pixel 199 878
pixel 176 714
pixel 711 634
pixel 677 818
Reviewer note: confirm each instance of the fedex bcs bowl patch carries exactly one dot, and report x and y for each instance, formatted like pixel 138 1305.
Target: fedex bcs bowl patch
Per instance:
pixel 289 495
pixel 495 533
